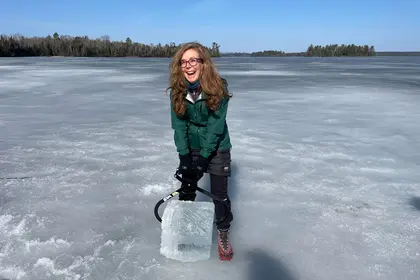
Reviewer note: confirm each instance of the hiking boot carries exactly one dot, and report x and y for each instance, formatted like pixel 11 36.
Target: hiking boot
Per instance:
pixel 224 248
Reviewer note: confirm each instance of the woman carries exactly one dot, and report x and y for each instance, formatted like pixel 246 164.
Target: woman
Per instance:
pixel 199 102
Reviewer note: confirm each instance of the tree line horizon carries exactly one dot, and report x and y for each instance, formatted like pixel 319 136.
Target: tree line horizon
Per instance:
pixel 83 46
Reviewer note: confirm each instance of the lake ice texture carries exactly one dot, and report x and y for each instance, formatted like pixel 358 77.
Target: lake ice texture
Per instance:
pixel 325 184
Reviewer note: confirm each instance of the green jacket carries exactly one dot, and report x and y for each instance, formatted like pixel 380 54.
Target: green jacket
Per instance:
pixel 200 128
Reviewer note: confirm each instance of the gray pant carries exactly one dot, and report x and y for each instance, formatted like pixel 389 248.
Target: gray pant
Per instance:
pixel 219 170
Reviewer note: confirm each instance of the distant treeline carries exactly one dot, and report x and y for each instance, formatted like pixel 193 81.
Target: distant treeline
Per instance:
pixel 342 50
pixel 328 50
pixel 83 46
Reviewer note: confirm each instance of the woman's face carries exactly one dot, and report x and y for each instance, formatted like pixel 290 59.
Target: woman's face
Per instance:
pixel 191 64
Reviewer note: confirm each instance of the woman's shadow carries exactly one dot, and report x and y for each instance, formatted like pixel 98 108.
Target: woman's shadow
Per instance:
pixel 415 202
pixel 263 266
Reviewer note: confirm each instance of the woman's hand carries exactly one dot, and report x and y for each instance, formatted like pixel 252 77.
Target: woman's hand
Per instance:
pixel 201 165
pixel 185 164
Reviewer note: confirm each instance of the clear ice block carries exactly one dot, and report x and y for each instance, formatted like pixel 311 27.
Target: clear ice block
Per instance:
pixel 187 228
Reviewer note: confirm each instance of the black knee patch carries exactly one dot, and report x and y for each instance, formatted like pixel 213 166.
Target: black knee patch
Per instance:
pixel 219 162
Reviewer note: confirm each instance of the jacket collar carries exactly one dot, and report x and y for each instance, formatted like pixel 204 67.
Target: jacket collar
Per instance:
pixel 190 99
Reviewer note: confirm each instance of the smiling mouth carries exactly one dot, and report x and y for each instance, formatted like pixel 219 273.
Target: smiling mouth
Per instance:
pixel 191 73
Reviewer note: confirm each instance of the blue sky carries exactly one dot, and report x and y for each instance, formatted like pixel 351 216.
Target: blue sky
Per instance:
pixel 235 25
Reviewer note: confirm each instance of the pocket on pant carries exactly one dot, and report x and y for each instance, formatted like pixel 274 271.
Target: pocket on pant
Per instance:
pixel 220 164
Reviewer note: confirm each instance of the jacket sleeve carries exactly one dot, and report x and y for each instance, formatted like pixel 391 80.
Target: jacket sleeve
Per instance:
pixel 179 125
pixel 215 128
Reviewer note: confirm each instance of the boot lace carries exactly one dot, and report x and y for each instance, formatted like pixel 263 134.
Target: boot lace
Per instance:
pixel 224 239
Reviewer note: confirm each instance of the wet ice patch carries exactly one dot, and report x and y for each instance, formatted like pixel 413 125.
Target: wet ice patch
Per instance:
pixel 262 73
pixel 20 85
pixel 128 78
pixel 71 72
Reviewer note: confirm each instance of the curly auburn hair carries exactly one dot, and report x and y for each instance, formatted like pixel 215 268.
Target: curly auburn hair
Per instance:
pixel 214 86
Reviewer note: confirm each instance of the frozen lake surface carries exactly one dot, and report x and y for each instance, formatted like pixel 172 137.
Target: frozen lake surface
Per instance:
pixel 326 169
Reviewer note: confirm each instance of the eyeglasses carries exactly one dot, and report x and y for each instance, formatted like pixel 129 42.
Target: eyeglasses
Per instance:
pixel 191 61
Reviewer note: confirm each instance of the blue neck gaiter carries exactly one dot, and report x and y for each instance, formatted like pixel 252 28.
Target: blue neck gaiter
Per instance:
pixel 193 86
pixel 194 89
